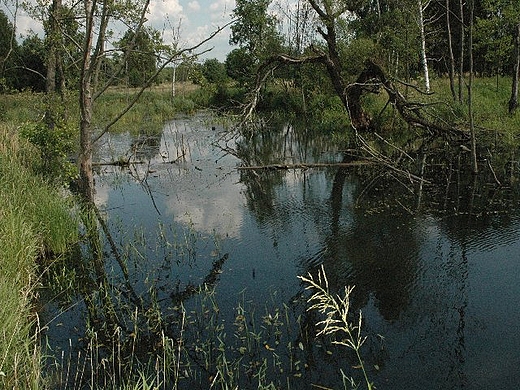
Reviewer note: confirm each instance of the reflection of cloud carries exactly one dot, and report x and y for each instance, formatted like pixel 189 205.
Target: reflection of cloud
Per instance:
pixel 102 194
pixel 210 213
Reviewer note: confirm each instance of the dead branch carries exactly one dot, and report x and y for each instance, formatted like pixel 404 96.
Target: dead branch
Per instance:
pixel 263 73
pixel 304 166
pixel 411 112
pixel 117 163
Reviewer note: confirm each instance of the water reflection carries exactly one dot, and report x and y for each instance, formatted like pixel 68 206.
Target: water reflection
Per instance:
pixel 412 269
pixel 433 262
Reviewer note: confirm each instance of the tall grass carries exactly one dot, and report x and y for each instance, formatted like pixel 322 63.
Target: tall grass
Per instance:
pixel 34 221
pixel 338 319
pixel 148 115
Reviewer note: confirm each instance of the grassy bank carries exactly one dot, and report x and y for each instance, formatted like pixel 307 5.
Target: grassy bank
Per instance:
pixel 35 222
pixel 155 106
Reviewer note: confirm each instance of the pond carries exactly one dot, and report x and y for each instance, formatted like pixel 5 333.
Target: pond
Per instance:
pixel 436 268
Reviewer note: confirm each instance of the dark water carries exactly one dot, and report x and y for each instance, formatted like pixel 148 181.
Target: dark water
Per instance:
pixel 436 271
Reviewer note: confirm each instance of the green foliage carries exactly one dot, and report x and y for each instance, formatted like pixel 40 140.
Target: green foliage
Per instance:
pixel 8 48
pixel 183 104
pixel 222 96
pixel 203 97
pixel 356 53
pixel 55 140
pixel 148 115
pixel 141 52
pixel 214 71
pixel 240 65
pixel 31 69
pixel 63 54
pixel 327 113
pixel 46 212
pixel 393 25
pixel 255 29
pixel 34 220
pixel 19 368
pixel 494 35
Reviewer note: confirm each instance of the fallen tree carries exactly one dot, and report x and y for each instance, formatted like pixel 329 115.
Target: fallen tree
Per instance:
pixel 372 79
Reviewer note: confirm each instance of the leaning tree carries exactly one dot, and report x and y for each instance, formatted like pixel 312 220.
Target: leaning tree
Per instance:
pixel 330 16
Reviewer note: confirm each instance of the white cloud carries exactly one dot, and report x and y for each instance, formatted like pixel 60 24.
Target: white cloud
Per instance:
pixel 164 14
pixel 194 6
pixel 197 19
pixel 225 7
pixel 186 21
pixel 25 25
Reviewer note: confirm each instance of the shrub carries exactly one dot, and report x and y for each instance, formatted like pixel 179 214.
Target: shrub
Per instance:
pixel 55 140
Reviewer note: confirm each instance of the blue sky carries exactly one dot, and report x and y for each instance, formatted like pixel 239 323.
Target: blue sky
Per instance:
pixel 197 20
pixel 194 20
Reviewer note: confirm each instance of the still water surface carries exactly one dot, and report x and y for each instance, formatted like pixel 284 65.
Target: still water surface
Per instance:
pixel 438 288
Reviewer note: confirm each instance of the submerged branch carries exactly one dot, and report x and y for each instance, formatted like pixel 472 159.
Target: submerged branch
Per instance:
pixel 118 163
pixel 304 165
pixel 209 281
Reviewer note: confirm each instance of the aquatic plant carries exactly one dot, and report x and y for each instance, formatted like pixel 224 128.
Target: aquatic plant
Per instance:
pixel 337 321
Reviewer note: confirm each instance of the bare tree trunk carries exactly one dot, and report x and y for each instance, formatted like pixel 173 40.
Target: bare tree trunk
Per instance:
pixel 470 92
pixel 174 71
pixel 461 63
pixel 332 60
pixel 100 47
pixel 92 54
pixel 55 78
pixel 424 58
pixel 61 74
pixel 451 69
pixel 52 35
pixel 85 103
pixel 513 101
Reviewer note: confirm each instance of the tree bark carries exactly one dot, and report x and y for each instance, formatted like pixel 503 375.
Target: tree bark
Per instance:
pixel 424 58
pixel 470 91
pixel 332 60
pixel 461 60
pixel 359 119
pixel 451 69
pixel 513 101
pixel 86 184
pixel 52 35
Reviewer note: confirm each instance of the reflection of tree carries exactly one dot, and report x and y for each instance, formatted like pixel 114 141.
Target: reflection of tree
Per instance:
pixel 127 328
pixel 280 143
pixel 371 230
pixel 146 147
pixel 377 253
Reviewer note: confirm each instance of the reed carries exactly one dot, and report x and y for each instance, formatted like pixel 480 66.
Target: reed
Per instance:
pixel 34 222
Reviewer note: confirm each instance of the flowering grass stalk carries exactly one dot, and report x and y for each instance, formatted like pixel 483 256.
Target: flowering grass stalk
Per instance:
pixel 336 310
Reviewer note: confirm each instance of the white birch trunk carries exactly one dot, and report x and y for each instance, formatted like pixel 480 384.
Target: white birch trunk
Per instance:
pixel 424 58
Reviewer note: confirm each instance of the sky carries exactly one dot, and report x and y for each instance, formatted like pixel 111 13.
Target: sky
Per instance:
pixel 195 20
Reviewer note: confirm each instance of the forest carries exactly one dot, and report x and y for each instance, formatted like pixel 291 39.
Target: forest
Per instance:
pixel 412 42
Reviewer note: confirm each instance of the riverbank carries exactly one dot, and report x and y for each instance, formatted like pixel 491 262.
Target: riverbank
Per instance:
pixel 36 227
